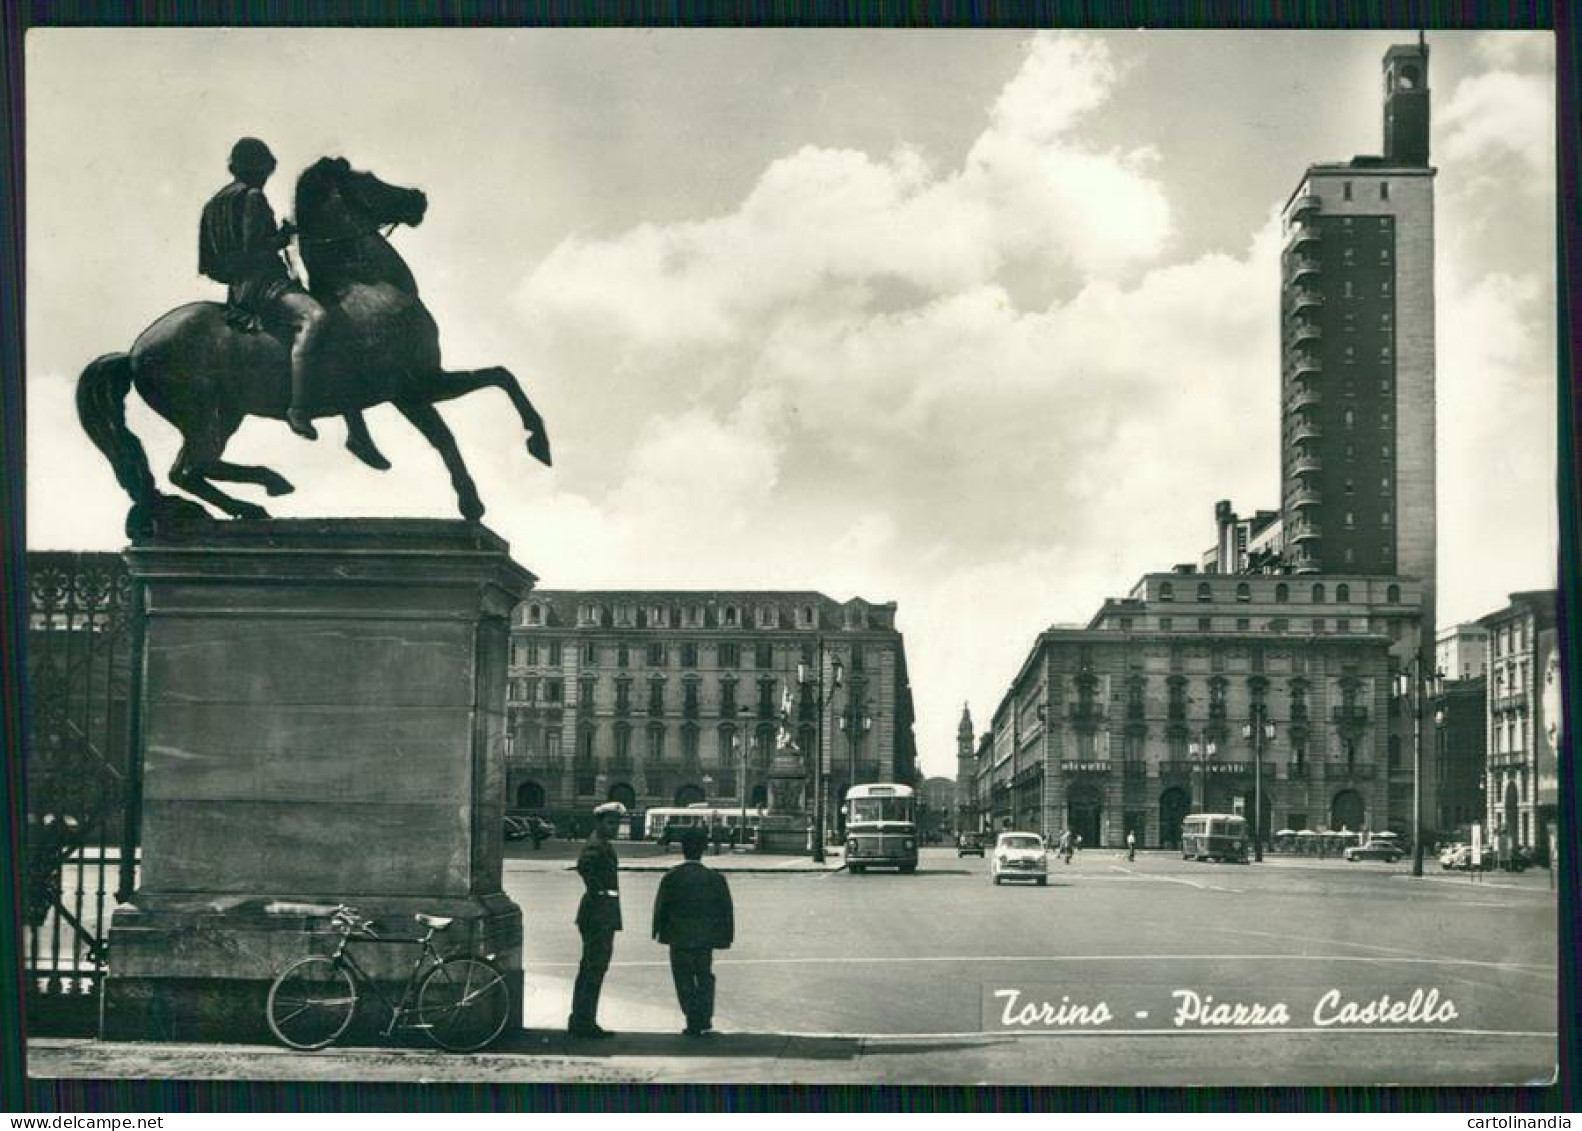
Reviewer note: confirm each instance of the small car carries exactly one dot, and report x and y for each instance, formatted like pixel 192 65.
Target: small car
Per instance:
pixel 1020 856
pixel 969 844
pixel 1375 850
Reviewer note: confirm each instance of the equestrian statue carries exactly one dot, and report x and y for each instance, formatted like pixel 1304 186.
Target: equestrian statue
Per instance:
pixel 360 336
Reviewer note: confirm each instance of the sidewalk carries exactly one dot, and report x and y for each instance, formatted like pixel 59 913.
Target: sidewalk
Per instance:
pixel 645 856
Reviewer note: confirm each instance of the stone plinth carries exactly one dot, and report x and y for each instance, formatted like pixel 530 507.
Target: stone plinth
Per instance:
pixel 322 721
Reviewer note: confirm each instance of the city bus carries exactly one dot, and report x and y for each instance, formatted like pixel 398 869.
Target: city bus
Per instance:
pixel 664 825
pixel 881 828
pixel 1214 836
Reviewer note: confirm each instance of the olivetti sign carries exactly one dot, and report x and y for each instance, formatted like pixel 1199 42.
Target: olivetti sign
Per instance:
pixel 1084 767
pixel 1226 767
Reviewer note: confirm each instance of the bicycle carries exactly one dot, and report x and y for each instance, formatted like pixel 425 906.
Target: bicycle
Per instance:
pixel 462 1003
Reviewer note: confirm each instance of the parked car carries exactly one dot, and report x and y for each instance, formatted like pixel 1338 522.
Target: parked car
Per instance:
pixel 1020 856
pixel 969 844
pixel 1375 850
pixel 1448 854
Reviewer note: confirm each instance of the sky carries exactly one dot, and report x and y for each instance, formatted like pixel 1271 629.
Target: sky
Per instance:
pixel 982 323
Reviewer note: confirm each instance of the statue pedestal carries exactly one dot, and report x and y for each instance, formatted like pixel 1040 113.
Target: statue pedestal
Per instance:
pixel 322 722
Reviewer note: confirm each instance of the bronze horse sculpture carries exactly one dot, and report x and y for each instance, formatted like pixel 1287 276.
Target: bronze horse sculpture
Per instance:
pixel 380 345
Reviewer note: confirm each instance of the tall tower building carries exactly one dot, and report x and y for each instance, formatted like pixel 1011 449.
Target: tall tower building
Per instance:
pixel 1357 350
pixel 1357 370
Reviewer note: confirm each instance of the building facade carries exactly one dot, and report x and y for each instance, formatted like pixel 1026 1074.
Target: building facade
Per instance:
pixel 679 697
pixel 1146 714
pixel 1461 754
pixel 1462 652
pixel 1524 716
pixel 936 809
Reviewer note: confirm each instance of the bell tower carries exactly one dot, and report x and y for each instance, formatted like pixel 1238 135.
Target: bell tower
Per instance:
pixel 1406 104
pixel 965 771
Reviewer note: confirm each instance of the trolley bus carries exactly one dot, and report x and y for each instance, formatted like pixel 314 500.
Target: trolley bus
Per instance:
pixel 665 825
pixel 1214 836
pixel 881 829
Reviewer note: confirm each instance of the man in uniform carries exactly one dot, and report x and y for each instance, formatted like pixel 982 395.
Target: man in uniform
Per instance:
pixel 693 916
pixel 240 245
pixel 598 918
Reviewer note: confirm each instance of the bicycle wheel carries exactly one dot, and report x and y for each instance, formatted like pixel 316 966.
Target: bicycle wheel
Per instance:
pixel 311 1003
pixel 464 1004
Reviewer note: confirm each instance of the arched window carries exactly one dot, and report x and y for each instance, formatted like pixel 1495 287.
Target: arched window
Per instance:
pixel 1318 593
pixel 1243 592
pixel 1343 592
pixel 1204 592
pixel 1282 593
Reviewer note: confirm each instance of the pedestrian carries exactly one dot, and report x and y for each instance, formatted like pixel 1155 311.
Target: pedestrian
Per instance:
pixel 1065 845
pixel 1131 844
pixel 693 916
pixel 598 918
pixel 1076 842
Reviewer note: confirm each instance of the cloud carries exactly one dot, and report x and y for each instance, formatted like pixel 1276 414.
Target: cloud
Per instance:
pixel 1498 115
pixel 822 218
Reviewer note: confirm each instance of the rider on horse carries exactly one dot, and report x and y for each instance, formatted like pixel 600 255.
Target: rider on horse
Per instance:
pixel 240 245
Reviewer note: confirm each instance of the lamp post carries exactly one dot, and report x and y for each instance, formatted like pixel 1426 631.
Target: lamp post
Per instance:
pixel 1202 750
pixel 856 723
pixel 1414 684
pixel 820 701
pixel 1258 728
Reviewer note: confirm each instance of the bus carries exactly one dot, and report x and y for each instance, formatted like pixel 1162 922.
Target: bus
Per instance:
pixel 664 825
pixel 881 828
pixel 1214 836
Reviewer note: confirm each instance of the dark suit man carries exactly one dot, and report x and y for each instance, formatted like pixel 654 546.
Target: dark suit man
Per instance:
pixel 598 918
pixel 693 917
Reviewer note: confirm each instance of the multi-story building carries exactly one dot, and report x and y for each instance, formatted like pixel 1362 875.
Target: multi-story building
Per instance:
pixel 1462 652
pixel 936 809
pixel 1460 753
pixel 1357 353
pixel 1148 712
pixel 1524 720
pixel 679 697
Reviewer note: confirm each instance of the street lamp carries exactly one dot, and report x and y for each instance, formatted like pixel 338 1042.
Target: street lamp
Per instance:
pixel 815 682
pixel 708 790
pixel 1259 729
pixel 856 723
pixel 1414 684
pixel 1202 750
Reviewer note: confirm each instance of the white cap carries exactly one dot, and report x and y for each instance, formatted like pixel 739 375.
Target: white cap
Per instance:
pixel 610 807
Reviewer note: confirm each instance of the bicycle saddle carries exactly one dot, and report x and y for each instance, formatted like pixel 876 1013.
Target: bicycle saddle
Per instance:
pixel 433 921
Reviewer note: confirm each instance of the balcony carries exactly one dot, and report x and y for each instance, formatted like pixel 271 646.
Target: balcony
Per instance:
pixel 1299 532
pixel 1302 233
pixel 1085 713
pixel 1305 396
pixel 1306 430
pixel 1303 267
pixel 1504 703
pixel 1176 767
pixel 1342 772
pixel 1353 716
pixel 1305 298
pixel 1306 367
pixel 1304 205
pixel 1306 333
pixel 1305 561
pixel 1306 497
pixel 1134 769
pixel 1306 463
